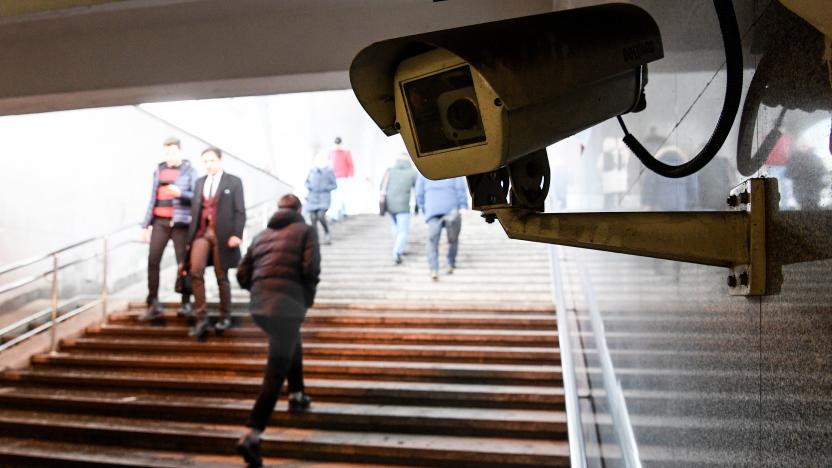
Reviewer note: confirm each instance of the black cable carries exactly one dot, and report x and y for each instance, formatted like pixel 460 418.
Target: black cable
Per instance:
pixel 733 94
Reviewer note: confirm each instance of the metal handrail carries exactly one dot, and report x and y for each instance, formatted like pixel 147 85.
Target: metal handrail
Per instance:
pixel 49 326
pixel 612 387
pixel 577 446
pixel 55 319
pixel 31 261
pixel 31 279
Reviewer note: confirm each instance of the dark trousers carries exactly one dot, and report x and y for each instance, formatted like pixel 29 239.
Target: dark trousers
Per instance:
pixel 285 360
pixel 162 232
pixel 202 249
pixel 318 216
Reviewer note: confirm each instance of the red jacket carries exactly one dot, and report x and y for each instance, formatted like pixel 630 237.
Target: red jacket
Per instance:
pixel 341 161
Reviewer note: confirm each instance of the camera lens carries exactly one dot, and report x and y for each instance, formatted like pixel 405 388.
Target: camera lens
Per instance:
pixel 463 114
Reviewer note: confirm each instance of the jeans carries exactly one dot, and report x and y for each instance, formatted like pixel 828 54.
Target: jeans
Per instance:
pixel 285 360
pixel 159 236
pixel 452 223
pixel 400 227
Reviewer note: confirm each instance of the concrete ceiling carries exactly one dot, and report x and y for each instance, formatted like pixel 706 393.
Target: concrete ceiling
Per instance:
pixel 133 51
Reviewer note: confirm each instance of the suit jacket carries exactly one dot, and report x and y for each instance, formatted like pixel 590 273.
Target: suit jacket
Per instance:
pixel 230 217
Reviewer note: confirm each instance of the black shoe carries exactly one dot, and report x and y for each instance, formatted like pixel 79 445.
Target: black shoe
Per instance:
pixel 154 312
pixel 397 259
pixel 200 330
pixel 222 325
pixel 300 403
pixel 250 450
pixel 186 311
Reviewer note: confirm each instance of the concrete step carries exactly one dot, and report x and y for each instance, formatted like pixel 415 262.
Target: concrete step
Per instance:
pixel 336 307
pixel 354 335
pixel 345 391
pixel 331 351
pixel 17 451
pixel 394 320
pixel 358 370
pixel 330 416
pixel 306 443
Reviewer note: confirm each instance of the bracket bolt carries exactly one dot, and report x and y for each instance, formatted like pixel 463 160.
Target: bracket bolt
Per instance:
pixel 744 278
pixel 745 198
pixel 732 201
pixel 732 281
pixel 492 199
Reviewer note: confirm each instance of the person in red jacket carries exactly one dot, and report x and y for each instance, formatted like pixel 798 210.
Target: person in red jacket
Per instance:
pixel 340 159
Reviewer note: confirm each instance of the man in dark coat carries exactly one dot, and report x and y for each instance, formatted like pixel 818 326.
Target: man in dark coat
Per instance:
pixel 281 269
pixel 219 216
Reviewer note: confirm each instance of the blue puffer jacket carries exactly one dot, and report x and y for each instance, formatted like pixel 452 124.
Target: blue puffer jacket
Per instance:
pixel 320 183
pixel 439 197
pixel 182 205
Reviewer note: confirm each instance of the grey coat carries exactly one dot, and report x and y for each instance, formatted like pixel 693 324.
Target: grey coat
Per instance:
pixel 320 183
pixel 400 183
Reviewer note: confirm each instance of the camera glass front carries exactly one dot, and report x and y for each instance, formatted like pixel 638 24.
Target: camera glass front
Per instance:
pixel 443 110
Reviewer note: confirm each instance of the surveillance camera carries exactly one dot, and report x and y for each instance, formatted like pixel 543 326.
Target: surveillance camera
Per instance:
pixel 473 99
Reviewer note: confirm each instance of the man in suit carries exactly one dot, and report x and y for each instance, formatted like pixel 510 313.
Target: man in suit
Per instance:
pixel 219 216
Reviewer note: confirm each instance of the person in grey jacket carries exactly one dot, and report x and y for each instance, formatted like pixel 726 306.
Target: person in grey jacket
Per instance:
pixel 281 269
pixel 167 218
pixel 397 186
pixel 320 183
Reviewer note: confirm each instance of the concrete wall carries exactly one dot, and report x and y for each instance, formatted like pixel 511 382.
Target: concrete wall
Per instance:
pixel 709 379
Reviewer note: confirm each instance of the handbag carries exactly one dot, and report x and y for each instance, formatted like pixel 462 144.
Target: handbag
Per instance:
pixel 183 280
pixel 382 198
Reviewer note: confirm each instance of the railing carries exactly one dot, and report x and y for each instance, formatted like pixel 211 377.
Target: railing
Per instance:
pixel 615 403
pixel 577 447
pixel 53 272
pixel 256 217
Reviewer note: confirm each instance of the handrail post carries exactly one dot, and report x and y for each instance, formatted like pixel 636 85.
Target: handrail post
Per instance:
pixel 106 261
pixel 53 336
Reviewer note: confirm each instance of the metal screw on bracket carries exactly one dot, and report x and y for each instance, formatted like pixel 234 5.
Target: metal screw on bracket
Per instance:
pixel 732 201
pixel 732 281
pixel 492 199
pixel 745 198
pixel 744 278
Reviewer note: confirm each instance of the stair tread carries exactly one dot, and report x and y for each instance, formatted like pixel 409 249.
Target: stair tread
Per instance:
pixel 91 454
pixel 311 346
pixel 364 410
pixel 307 363
pixel 387 441
pixel 428 387
pixel 351 330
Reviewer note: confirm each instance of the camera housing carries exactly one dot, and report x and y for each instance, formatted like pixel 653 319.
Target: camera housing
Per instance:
pixel 473 99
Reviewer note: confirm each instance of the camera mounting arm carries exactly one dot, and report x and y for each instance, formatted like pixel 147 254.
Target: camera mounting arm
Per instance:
pixel 734 239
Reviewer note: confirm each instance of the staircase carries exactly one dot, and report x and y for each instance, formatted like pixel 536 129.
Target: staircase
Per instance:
pixel 402 371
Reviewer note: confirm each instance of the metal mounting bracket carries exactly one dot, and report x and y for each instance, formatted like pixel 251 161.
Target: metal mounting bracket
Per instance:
pixel 733 239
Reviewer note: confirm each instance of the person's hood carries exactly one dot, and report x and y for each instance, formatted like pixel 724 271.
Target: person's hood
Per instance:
pixel 402 164
pixel 283 218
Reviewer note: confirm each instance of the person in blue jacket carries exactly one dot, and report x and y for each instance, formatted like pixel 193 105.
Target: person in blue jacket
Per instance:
pixel 442 202
pixel 168 218
pixel 320 183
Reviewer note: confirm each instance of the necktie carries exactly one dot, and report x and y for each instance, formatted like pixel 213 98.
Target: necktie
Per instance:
pixel 211 188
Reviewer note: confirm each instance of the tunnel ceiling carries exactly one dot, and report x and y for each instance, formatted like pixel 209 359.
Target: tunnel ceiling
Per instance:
pixel 90 53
